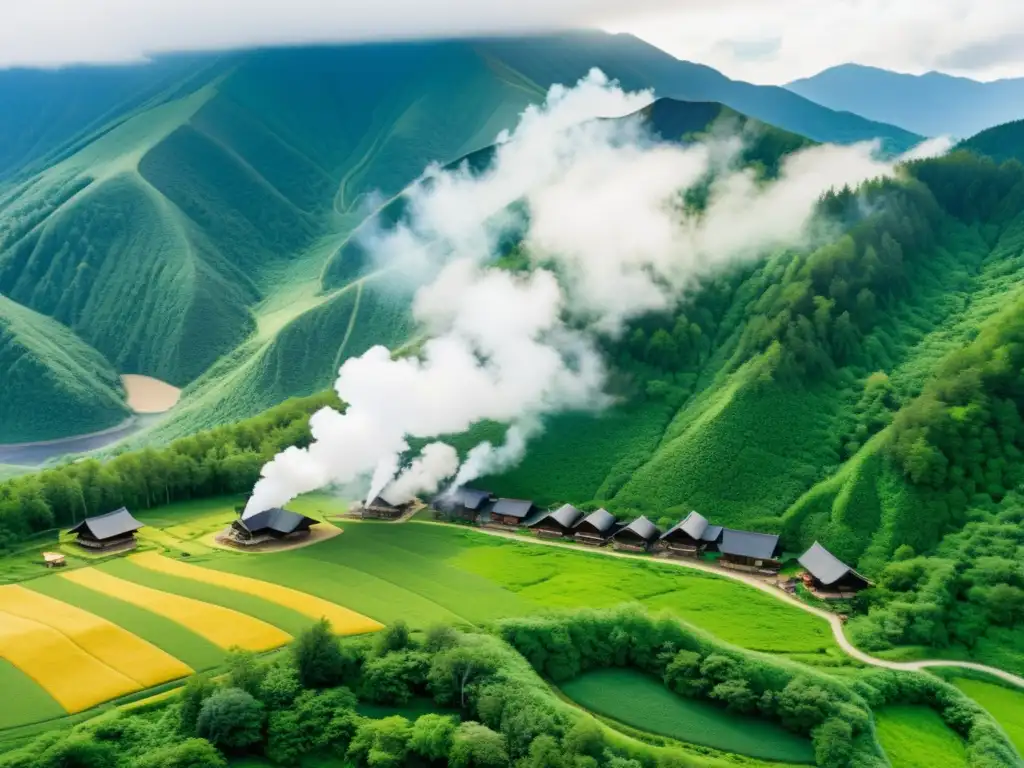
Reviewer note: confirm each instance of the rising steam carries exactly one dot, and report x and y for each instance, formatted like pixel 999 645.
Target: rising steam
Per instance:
pixel 600 204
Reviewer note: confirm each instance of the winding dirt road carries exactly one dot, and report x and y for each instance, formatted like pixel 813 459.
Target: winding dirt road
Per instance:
pixel 831 618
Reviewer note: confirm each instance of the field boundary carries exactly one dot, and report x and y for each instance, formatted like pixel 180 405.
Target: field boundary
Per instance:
pixel 834 622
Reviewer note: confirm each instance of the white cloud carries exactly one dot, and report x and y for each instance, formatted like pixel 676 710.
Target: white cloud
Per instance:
pixel 755 40
pixel 780 41
pixel 47 32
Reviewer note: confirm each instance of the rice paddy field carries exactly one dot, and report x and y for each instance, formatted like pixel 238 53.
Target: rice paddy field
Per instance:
pixel 642 702
pixel 104 628
pixel 1004 704
pixel 916 737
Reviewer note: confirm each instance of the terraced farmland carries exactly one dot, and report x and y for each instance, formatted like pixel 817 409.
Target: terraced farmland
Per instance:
pixel 109 627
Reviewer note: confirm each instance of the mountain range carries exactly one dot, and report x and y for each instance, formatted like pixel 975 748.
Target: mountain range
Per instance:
pixel 932 104
pixel 175 217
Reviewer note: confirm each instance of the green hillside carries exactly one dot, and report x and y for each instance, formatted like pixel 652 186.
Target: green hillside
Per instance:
pixel 1003 142
pixel 51 380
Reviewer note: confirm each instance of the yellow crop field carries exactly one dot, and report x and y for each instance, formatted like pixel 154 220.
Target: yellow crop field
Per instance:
pixel 75 679
pixel 221 626
pixel 116 647
pixel 343 621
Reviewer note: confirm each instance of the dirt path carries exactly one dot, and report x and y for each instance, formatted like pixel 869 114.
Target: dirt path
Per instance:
pixel 831 618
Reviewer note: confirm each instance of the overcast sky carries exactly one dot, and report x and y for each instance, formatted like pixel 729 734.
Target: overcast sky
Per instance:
pixel 763 41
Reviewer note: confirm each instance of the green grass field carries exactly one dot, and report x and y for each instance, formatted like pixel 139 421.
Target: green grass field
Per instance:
pixel 916 737
pixel 25 700
pixel 644 703
pixel 1004 704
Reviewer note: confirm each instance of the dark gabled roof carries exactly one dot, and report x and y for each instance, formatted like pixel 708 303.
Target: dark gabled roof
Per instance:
pixel 279 520
pixel 643 528
pixel 471 498
pixel 512 508
pixel 712 533
pixel 116 523
pixel 760 546
pixel 566 516
pixel 602 521
pixel 824 566
pixel 380 501
pixel 693 525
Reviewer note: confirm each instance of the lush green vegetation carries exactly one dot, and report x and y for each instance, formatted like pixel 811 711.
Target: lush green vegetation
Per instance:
pixel 916 737
pixel 53 382
pixel 1005 704
pixel 645 704
pixel 224 460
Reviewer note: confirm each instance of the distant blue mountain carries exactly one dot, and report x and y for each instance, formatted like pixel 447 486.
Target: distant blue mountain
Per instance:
pixel 932 104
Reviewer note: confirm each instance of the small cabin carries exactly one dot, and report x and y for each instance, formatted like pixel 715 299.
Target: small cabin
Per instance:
pixel 54 560
pixel 690 536
pixel 828 576
pixel 639 536
pixel 270 525
pixel 557 524
pixel 461 504
pixel 511 512
pixel 749 551
pixel 596 528
pixel 105 533
pixel 382 509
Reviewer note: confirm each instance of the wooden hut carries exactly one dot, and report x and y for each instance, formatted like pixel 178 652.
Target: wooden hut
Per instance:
pixel 103 533
pixel 596 528
pixel 54 560
pixel 557 524
pixel 639 536
pixel 270 525
pixel 461 504
pixel 830 576
pixel 382 509
pixel 746 550
pixel 511 512
pixel 690 536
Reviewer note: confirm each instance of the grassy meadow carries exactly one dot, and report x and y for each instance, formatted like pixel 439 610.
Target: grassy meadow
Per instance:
pixel 1006 705
pixel 643 703
pixel 916 737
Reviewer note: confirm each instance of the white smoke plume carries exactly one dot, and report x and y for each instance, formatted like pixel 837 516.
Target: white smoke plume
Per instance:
pixel 929 148
pixel 488 459
pixel 611 239
pixel 435 464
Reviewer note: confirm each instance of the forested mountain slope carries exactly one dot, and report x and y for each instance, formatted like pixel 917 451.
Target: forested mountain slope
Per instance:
pixel 177 216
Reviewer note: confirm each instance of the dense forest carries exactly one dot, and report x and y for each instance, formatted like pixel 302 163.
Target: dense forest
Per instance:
pixel 490 706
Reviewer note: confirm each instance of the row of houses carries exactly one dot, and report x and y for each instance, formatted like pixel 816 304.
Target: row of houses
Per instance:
pixel 692 536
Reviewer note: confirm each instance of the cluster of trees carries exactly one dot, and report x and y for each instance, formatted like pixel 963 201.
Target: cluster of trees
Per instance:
pixel 973 582
pixel 835 714
pixel 220 461
pixel 964 435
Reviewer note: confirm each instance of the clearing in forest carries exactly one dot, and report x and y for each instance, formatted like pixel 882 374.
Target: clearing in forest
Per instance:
pixel 1004 704
pixel 916 737
pixel 642 702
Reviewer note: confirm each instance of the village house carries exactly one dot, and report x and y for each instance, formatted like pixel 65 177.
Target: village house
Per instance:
pixel 828 576
pixel 382 509
pixel 461 504
pixel 639 536
pixel 748 551
pixel 270 525
pixel 596 528
pixel 557 524
pixel 511 512
pixel 690 536
pixel 104 533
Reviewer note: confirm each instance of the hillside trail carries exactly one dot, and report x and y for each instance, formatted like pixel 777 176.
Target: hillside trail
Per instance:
pixel 831 618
